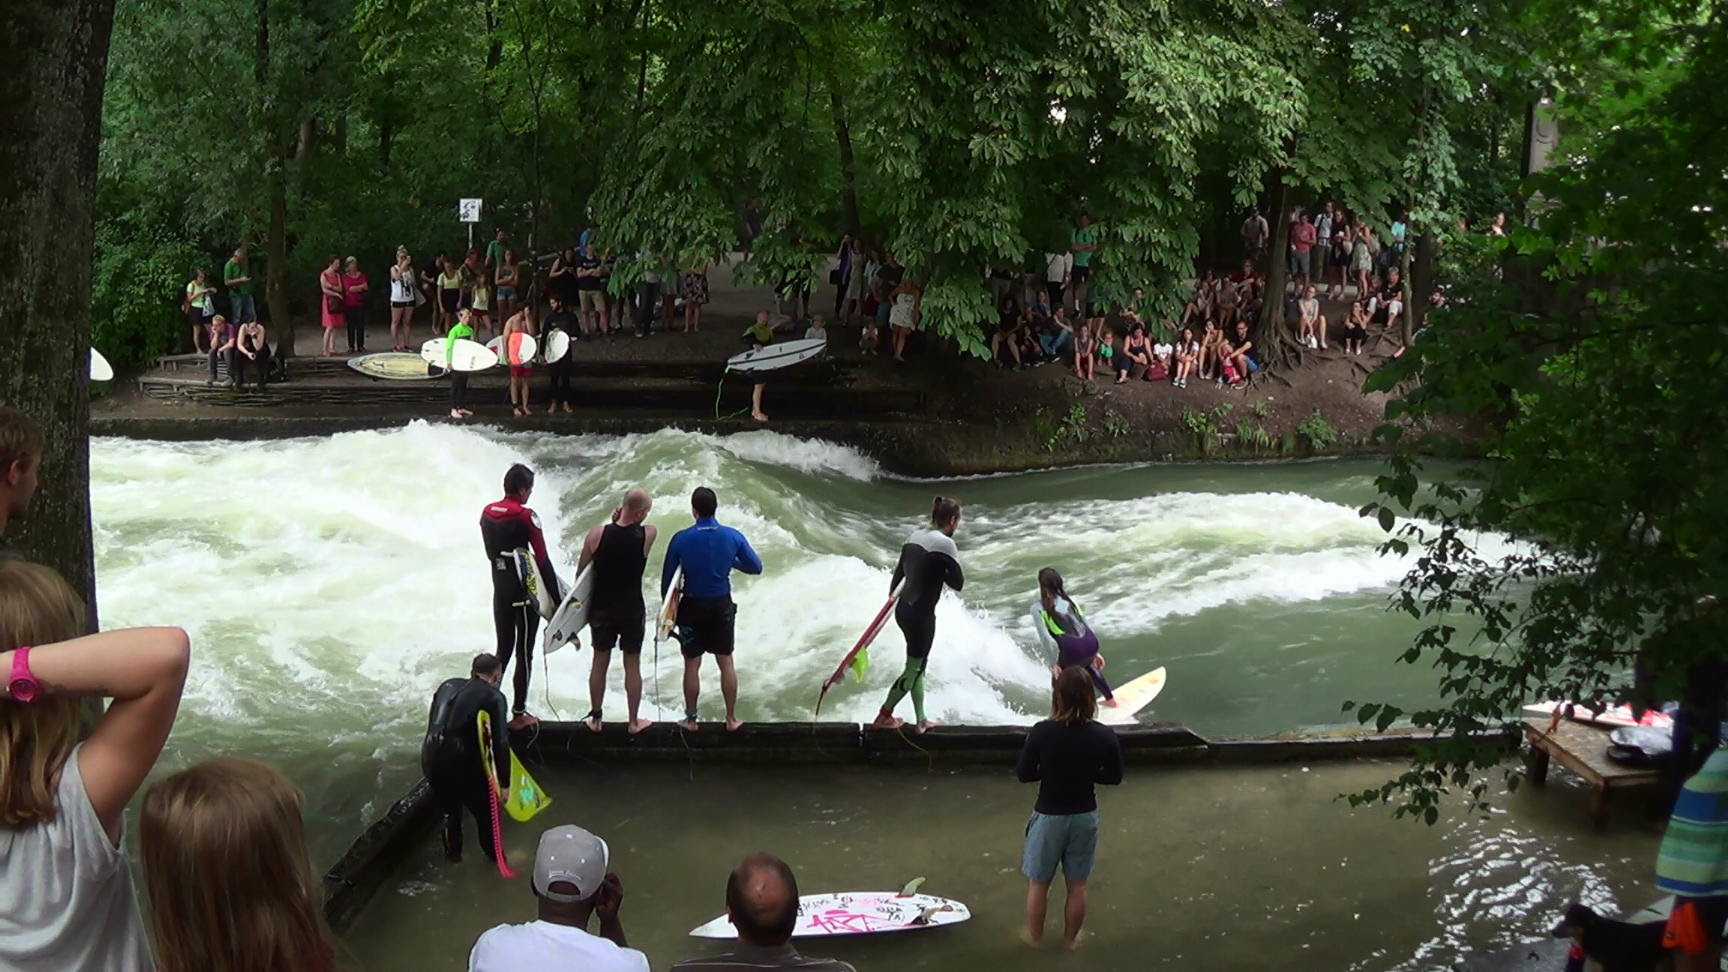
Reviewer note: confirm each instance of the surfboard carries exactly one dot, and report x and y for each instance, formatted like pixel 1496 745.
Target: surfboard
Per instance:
pixel 521 352
pixel 483 730
pixel 1619 715
pixel 774 356
pixel 572 614
pixel 556 345
pixel 858 659
pixel 100 369
pixel 466 356
pixel 541 589
pixel 668 615
pixel 392 366
pixel 857 913
pixel 1131 698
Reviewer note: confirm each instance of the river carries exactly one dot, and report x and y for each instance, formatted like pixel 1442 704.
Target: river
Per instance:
pixel 329 584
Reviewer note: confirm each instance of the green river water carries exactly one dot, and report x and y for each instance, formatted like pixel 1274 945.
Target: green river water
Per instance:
pixel 329 584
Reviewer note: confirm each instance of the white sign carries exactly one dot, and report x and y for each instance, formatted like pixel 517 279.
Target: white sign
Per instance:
pixel 468 210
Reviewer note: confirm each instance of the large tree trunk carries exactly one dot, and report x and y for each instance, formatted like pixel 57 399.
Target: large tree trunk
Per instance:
pixel 1273 334
pixel 275 189
pixel 56 58
pixel 843 139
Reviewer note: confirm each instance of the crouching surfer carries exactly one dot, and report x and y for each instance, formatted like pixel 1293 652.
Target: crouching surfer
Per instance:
pixel 1067 639
pixel 451 758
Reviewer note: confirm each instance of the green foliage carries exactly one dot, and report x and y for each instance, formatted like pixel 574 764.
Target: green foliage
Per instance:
pixel 1205 423
pixel 1253 435
pixel 140 271
pixel 1317 430
pixel 1589 345
pixel 1115 424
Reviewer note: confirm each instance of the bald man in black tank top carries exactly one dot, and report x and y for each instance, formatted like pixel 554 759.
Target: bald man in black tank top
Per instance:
pixel 616 615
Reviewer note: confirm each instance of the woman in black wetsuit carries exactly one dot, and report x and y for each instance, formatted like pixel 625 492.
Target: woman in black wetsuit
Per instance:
pixel 928 561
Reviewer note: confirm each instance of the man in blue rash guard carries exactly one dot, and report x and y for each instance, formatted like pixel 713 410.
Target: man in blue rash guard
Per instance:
pixel 709 553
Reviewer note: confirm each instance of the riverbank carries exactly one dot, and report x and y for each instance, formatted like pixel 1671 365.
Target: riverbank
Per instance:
pixel 938 414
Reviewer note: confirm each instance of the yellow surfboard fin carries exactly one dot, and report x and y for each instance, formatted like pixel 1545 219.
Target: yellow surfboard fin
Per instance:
pixel 860 665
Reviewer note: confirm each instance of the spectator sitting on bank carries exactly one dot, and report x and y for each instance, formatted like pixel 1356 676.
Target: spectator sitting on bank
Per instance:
pixel 66 882
pixel 251 346
pixel 1055 337
pixel 1356 331
pixel 1135 356
pixel 1200 303
pixel 1311 324
pixel 221 349
pixel 1163 355
pixel 818 329
pixel 1210 339
pixel 1187 357
pixel 571 884
pixel 1386 304
pixel 1011 331
pixel 1086 352
pixel 1240 360
pixel 762 903
pixel 230 883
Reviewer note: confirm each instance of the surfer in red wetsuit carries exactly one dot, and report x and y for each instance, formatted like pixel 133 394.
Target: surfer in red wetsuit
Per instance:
pixel 505 527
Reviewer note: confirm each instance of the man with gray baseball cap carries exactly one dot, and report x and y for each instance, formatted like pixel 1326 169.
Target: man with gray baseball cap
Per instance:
pixel 571 884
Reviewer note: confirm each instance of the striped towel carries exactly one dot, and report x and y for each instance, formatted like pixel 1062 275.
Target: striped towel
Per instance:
pixel 1693 858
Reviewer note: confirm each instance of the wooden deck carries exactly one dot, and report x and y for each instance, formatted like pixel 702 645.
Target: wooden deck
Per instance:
pixel 1583 749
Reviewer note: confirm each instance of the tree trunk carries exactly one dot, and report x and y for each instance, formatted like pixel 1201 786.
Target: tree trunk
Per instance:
pixel 1273 332
pixel 275 190
pixel 1418 284
pixel 51 111
pixel 843 139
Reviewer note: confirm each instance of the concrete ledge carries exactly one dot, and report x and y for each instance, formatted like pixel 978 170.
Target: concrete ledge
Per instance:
pixel 350 884
pixel 775 742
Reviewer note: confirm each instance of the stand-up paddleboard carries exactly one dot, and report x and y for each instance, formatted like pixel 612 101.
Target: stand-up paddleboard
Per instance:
pixel 556 345
pixel 465 356
pixel 542 589
pixel 857 913
pixel 392 366
pixel 572 615
pixel 100 369
pixel 1131 698
pixel 781 355
pixel 521 351
pixel 1618 715
pixel 668 615
pixel 858 659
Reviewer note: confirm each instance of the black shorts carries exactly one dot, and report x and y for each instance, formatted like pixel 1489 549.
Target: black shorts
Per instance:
pixel 401 303
pixel 1078 274
pixel 609 632
pixel 705 625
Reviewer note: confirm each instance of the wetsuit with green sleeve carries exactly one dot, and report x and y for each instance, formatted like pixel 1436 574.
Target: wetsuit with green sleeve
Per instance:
pixel 928 562
pixel 458 379
pixel 1067 639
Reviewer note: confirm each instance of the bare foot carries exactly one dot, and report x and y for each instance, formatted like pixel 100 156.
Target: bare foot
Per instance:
pixel 887 722
pixel 925 726
pixel 593 723
pixel 688 725
pixel 637 725
pixel 516 412
pixel 733 725
pixel 568 410
pixel 758 416
pixel 523 720
pixel 1027 939
pixel 1074 943
pixel 456 413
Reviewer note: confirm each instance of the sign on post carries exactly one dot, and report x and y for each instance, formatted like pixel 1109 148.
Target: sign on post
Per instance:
pixel 468 210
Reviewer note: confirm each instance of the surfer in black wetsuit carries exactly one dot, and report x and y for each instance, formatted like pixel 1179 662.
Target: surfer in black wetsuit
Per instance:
pixel 505 527
pixel 928 561
pixel 618 552
pixel 450 755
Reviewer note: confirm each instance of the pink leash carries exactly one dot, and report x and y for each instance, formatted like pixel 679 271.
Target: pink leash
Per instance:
pixel 497 831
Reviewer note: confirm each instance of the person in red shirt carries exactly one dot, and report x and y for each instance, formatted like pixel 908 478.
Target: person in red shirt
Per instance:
pixel 1302 237
pixel 505 527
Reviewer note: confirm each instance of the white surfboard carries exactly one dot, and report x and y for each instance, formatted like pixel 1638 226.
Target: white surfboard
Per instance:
pixel 572 615
pixel 1619 715
pixel 781 355
pixel 668 615
pixel 1131 698
pixel 557 345
pixel 523 353
pixel 539 588
pixel 465 356
pixel 392 366
pixel 100 369
pixel 857 913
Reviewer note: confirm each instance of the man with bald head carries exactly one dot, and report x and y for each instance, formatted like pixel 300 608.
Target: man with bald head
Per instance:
pixel 762 903
pixel 618 552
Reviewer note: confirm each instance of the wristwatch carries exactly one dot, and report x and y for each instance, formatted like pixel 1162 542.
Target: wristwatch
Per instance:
pixel 22 686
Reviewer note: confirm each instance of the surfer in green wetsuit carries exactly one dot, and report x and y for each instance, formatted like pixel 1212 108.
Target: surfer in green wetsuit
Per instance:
pixel 928 562
pixel 458 379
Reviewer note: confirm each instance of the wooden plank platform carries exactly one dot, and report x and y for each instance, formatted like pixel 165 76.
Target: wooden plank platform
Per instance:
pixel 1583 749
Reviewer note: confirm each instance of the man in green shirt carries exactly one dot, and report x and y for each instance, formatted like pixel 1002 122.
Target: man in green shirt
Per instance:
pixel 1081 245
pixel 495 249
pixel 237 277
pixel 458 379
